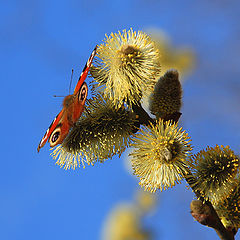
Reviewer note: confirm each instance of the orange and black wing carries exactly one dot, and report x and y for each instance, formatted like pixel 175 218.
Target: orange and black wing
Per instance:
pixel 85 71
pixel 49 133
pixel 81 90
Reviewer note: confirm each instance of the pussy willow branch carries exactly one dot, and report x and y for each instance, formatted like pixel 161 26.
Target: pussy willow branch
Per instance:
pixel 144 118
pixel 222 232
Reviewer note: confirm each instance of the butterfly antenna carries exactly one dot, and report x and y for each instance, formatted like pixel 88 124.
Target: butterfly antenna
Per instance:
pixel 70 82
pixel 57 96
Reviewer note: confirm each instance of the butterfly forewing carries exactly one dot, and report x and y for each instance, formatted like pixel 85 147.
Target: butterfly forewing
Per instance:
pixel 79 102
pixel 85 71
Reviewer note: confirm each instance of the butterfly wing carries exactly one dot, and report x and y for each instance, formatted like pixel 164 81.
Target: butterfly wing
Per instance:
pixel 78 105
pixel 85 71
pixel 50 130
pixel 81 90
pixel 57 131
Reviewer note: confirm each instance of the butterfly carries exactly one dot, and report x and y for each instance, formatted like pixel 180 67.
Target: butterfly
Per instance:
pixel 73 106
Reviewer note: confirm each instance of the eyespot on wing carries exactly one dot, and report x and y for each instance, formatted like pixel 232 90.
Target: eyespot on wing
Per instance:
pixel 82 96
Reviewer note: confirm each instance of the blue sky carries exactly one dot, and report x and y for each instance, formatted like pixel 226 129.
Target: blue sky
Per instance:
pixel 40 42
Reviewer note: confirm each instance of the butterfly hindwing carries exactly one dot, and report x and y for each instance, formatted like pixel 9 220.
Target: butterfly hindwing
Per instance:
pixel 49 131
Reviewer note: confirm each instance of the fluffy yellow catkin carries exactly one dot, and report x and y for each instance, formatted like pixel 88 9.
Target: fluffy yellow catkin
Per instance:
pixel 160 155
pixel 215 171
pixel 127 66
pixel 101 133
pixel 229 209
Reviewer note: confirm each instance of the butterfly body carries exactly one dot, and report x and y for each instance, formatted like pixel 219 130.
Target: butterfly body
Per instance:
pixel 73 106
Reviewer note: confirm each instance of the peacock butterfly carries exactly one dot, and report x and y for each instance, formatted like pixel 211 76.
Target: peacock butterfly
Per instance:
pixel 73 106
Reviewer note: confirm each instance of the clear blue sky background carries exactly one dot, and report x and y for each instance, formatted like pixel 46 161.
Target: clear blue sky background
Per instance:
pixel 40 42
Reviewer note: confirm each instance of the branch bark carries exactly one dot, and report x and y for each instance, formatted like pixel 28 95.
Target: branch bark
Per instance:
pixel 204 212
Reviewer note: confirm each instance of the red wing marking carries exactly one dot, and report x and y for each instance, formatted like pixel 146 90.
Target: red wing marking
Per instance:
pixel 52 126
pixel 85 71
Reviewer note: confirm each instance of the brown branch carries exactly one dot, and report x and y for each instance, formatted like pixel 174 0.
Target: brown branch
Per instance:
pixel 145 119
pixel 143 116
pixel 204 212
